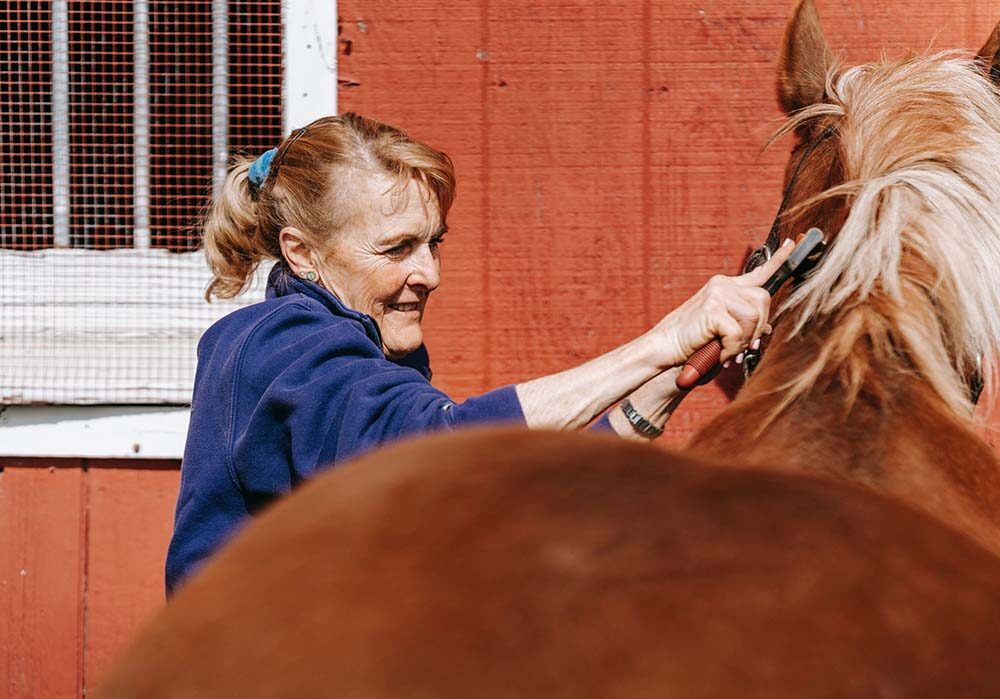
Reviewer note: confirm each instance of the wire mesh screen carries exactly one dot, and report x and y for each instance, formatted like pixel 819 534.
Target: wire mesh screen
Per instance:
pixel 112 115
pixel 26 127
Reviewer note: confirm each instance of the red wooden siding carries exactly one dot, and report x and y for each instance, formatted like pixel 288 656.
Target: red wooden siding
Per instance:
pixel 82 546
pixel 42 562
pixel 129 524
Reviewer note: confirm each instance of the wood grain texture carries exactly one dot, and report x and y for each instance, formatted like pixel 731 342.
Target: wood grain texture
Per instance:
pixel 609 156
pixel 82 547
pixel 131 519
pixel 42 581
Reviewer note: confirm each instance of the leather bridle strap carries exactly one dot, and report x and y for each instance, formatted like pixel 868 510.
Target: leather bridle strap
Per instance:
pixel 772 243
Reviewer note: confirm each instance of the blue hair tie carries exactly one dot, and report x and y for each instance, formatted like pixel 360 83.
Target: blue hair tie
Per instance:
pixel 260 168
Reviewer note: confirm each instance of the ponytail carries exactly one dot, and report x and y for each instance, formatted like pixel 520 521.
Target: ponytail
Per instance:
pixel 233 244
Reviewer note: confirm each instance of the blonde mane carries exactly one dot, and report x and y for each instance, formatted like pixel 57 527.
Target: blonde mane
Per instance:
pixel 913 276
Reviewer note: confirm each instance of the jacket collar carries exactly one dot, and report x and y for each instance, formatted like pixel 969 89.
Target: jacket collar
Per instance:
pixel 282 282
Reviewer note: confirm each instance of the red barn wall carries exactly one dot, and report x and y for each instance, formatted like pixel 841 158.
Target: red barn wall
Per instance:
pixel 82 543
pixel 609 160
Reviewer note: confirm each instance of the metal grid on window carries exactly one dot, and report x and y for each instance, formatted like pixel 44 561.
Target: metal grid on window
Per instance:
pixel 180 103
pixel 254 68
pixel 100 62
pixel 26 126
pixel 111 117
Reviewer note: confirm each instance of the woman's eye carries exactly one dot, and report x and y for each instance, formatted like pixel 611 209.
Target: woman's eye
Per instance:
pixel 397 250
pixel 435 242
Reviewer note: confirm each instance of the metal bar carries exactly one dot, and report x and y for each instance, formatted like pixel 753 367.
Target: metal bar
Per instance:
pixel 141 239
pixel 220 94
pixel 60 123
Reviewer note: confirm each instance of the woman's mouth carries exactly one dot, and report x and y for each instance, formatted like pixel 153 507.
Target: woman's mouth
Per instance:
pixel 405 307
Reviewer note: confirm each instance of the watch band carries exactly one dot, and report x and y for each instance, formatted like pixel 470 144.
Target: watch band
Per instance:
pixel 641 424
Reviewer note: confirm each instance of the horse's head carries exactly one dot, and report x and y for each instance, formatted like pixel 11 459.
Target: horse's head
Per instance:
pixel 897 161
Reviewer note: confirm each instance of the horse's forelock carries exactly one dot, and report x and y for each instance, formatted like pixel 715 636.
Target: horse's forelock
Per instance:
pixel 919 252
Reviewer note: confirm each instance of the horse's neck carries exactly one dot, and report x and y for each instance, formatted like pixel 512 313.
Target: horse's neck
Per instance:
pixel 895 438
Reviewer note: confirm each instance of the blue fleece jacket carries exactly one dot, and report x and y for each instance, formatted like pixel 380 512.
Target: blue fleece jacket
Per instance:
pixel 290 385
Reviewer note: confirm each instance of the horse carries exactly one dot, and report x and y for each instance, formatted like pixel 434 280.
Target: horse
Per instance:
pixel 833 532
pixel 869 368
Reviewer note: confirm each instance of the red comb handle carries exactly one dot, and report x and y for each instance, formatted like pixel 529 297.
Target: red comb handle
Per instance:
pixel 699 364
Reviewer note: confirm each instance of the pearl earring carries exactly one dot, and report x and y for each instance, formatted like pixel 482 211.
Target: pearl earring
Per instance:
pixel 309 275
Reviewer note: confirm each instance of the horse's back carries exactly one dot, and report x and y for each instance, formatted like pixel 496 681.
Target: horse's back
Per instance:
pixel 499 564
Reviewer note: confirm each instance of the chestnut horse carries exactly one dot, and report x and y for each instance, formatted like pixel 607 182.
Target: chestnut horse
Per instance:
pixel 853 552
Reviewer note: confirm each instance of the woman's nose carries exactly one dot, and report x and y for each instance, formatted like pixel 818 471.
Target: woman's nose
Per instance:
pixel 426 269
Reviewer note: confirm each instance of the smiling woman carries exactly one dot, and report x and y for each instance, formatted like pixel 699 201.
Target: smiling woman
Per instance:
pixel 333 362
pixel 385 263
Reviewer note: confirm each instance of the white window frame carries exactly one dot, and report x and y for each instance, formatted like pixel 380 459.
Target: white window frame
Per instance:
pixel 309 91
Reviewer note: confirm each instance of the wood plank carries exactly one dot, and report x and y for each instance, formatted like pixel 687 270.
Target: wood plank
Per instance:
pixel 566 106
pixel 42 533
pixel 131 519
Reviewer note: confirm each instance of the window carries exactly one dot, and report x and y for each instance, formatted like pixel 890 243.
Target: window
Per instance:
pixel 115 121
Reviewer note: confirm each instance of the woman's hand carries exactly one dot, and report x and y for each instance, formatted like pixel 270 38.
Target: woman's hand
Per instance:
pixel 734 309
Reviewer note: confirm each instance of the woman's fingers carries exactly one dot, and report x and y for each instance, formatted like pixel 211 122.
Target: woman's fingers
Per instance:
pixel 760 275
pixel 748 306
pixel 733 335
pixel 760 301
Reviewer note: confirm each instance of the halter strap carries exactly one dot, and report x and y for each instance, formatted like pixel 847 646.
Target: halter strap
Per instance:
pixel 772 243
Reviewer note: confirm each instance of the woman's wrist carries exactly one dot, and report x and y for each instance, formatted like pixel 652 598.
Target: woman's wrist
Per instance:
pixel 657 399
pixel 662 347
pixel 654 401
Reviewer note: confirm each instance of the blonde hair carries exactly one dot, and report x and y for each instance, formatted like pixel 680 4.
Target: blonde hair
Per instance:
pixel 914 272
pixel 311 185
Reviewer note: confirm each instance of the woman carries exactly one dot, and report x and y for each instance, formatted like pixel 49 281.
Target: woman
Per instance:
pixel 333 362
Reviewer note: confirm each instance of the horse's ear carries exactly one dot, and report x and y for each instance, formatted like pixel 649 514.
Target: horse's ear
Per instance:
pixel 805 59
pixel 989 55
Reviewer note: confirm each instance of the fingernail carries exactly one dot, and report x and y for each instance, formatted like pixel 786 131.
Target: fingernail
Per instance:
pixel 786 243
pixel 768 329
pixel 739 358
pixel 727 364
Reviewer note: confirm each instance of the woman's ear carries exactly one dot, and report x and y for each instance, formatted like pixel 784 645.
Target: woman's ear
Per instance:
pixel 296 250
pixel 804 60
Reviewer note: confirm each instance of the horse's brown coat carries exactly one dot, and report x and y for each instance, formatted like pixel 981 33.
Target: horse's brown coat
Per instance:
pixel 502 564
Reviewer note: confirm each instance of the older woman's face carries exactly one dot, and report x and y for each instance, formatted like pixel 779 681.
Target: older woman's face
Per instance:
pixel 388 262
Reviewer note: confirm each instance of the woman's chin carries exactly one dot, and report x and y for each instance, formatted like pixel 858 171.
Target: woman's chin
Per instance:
pixel 399 347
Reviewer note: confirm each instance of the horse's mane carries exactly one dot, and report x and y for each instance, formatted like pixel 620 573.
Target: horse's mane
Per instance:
pixel 913 276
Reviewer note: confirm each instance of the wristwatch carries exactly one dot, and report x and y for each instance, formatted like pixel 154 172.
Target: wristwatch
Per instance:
pixel 641 424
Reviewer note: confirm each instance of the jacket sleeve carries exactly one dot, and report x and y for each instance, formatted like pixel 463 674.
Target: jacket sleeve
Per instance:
pixel 323 389
pixel 602 424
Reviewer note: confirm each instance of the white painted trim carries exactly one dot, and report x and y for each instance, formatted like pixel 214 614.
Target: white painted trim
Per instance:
pixel 106 432
pixel 60 122
pixel 86 327
pixel 310 61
